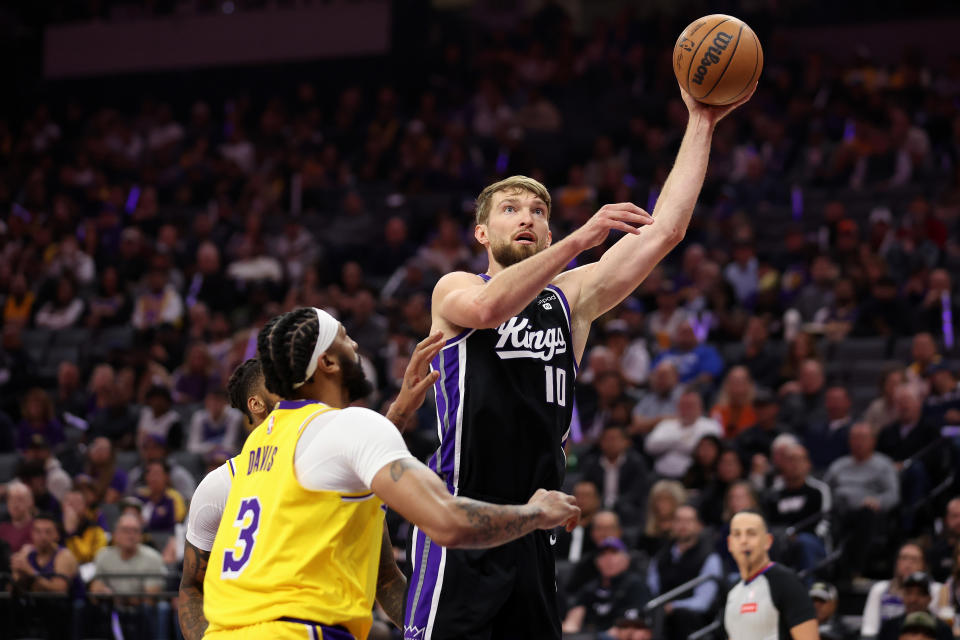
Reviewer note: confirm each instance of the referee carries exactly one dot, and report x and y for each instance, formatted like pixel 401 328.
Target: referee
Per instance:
pixel 769 602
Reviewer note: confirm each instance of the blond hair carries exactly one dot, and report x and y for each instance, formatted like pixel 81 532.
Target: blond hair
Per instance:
pixel 667 488
pixel 511 185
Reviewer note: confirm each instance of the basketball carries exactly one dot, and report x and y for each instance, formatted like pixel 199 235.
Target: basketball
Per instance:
pixel 717 59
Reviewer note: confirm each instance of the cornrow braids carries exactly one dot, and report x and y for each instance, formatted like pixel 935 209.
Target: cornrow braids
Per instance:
pixel 284 347
pixel 241 385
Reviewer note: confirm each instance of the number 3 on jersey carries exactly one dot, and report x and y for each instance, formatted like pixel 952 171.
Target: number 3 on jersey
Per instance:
pixel 234 564
pixel 561 386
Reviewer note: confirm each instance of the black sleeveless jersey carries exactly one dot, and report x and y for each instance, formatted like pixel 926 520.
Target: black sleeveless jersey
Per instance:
pixel 504 403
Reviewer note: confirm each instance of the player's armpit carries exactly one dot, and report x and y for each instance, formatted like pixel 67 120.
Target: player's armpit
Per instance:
pixel 805 631
pixel 192 622
pixel 391 583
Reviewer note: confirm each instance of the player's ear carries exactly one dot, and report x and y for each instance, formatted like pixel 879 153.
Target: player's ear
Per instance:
pixel 327 363
pixel 549 238
pixel 255 405
pixel 769 542
pixel 480 233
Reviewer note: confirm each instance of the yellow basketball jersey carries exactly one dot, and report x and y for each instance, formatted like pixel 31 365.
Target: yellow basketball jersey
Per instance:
pixel 283 551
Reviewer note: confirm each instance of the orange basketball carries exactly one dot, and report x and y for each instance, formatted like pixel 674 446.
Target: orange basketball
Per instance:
pixel 717 59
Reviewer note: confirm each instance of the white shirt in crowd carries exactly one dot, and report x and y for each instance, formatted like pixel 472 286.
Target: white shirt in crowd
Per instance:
pixel 672 444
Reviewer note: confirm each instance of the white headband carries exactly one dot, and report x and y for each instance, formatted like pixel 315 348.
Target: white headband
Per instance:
pixel 326 334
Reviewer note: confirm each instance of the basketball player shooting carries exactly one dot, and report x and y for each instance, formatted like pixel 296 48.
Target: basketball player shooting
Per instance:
pixel 504 398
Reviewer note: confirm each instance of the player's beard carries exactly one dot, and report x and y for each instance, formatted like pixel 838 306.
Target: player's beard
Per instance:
pixel 508 253
pixel 355 379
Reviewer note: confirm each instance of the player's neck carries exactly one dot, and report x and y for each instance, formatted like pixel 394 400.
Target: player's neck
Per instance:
pixel 329 392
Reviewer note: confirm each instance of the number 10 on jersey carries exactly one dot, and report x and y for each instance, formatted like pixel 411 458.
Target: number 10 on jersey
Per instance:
pixel 556 392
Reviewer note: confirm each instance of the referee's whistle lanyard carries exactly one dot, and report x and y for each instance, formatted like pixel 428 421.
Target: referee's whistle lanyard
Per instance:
pixel 758 573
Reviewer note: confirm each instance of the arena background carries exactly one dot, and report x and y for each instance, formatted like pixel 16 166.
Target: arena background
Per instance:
pixel 172 174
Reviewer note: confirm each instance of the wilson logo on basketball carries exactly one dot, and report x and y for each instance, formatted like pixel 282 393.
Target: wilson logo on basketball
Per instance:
pixel 712 55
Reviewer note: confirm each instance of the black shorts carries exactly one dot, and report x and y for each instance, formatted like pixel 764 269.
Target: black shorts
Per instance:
pixel 491 594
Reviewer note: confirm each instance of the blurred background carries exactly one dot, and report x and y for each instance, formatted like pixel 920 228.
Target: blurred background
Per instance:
pixel 174 173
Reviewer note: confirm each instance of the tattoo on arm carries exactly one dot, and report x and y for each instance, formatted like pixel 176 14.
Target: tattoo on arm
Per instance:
pixel 496 523
pixel 192 622
pixel 391 583
pixel 397 469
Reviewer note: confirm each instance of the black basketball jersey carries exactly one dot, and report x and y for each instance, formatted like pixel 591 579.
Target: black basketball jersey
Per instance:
pixel 504 403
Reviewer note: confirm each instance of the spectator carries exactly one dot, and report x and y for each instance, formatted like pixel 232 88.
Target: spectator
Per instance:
pixel 729 471
pixel 573 545
pixel 163 506
pixel 703 468
pixel 56 480
pixel 800 348
pixel 734 409
pixel 882 410
pixel 108 480
pixel 110 306
pixel 949 601
pixel 127 557
pixel 64 311
pixel 885 600
pixel 366 326
pixel 940 308
pixel 159 304
pixel 668 317
pixel 802 505
pixel 154 449
pixel 941 554
pixel 45 566
pixel 196 377
pixel 924 352
pixel 631 355
pixel 758 439
pixel 70 260
pixel 110 416
pixel 819 292
pixel 659 403
pixel 759 356
pixel 828 441
pixel 916 598
pixel 18 305
pixel 837 320
pixel 208 284
pixel 664 499
pixel 606 524
pixel 672 441
pixel 865 489
pixel 831 626
pixel 17 531
pixel 743 272
pixel 33 474
pixel 158 419
pixel 618 593
pixel 83 526
pixel 804 399
pixel 39 420
pixel 942 405
pixel 620 472
pixel 919 625
pixel 883 313
pixel 217 425
pixel 70 399
pixel 697 364
pixel 690 555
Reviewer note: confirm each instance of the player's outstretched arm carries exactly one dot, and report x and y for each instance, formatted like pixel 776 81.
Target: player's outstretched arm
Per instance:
pixel 190 610
pixel 808 630
pixel 416 493
pixel 391 583
pixel 416 380
pixel 462 300
pixel 596 288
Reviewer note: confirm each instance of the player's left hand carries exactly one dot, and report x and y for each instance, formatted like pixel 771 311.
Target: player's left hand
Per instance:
pixel 712 113
pixel 418 378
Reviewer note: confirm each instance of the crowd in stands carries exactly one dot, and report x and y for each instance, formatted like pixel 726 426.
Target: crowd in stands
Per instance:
pixel 797 354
